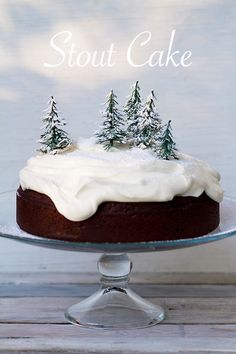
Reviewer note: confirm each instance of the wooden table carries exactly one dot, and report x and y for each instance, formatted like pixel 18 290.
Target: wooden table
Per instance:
pixel 201 318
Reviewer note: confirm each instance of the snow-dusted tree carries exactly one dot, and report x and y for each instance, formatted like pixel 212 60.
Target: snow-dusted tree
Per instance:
pixel 111 132
pixel 54 138
pixel 167 145
pixel 147 130
pixel 131 109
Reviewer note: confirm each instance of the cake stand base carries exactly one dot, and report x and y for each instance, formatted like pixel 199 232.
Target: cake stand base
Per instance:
pixel 115 305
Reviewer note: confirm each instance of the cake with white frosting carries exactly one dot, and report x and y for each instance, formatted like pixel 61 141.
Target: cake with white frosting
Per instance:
pixel 124 195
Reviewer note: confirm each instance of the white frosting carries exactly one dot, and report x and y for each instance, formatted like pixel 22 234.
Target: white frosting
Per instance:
pixel 78 181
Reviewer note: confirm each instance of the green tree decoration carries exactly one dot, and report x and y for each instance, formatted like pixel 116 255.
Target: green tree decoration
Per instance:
pixel 54 138
pixel 131 109
pixel 148 126
pixel 111 132
pixel 167 145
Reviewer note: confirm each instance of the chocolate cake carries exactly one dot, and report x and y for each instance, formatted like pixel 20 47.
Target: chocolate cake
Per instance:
pixel 128 183
pixel 183 217
pixel 124 195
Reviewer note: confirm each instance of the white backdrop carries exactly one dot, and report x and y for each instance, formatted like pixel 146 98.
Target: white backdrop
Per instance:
pixel 199 99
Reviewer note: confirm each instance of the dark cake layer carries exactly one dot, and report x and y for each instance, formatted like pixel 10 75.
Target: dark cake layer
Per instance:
pixel 183 217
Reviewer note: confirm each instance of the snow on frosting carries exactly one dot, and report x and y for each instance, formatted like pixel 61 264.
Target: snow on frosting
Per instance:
pixel 79 181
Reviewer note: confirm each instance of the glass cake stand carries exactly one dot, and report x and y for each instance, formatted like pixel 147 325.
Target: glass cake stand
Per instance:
pixel 114 305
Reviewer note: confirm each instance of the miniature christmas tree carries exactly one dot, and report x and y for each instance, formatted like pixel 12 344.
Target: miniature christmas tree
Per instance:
pixel 167 146
pixel 111 132
pixel 53 138
pixel 148 127
pixel 132 108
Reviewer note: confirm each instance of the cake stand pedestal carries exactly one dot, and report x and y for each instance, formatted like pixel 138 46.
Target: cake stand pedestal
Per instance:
pixel 114 305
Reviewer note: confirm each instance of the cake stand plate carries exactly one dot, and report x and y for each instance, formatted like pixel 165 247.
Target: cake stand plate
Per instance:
pixel 114 305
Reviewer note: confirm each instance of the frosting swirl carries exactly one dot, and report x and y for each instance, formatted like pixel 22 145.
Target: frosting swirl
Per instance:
pixel 79 181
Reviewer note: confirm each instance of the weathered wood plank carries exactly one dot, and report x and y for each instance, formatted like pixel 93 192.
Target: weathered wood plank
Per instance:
pixel 179 310
pixel 164 330
pixel 147 290
pixel 22 334
pixel 125 344
pixel 136 277
pixel 192 351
